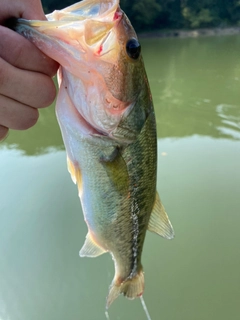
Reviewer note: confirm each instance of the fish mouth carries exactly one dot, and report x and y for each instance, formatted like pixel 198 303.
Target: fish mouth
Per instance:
pixel 97 30
pixel 90 9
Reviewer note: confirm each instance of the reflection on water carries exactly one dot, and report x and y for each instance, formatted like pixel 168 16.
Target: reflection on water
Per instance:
pixel 230 116
pixel 195 85
pixel 190 78
pixel 42 138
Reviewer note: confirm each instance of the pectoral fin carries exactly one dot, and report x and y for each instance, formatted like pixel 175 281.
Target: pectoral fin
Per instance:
pixel 90 248
pixel 159 221
pixel 117 171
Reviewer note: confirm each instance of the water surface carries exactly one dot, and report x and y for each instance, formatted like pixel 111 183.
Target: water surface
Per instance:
pixel 196 90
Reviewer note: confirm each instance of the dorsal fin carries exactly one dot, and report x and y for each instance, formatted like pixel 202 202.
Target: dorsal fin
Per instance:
pixel 90 248
pixel 159 221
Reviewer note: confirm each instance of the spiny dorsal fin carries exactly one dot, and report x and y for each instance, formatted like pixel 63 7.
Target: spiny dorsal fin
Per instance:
pixel 159 222
pixel 90 248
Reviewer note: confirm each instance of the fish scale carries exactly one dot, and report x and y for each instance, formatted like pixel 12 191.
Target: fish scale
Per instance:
pixel 106 115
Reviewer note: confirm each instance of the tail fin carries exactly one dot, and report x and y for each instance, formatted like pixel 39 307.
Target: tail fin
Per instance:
pixel 131 288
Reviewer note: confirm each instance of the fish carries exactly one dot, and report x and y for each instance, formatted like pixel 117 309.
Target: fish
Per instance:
pixel 105 111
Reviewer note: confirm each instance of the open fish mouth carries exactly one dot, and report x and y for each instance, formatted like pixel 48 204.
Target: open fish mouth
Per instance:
pixel 90 9
pixel 88 39
pixel 90 24
pixel 87 10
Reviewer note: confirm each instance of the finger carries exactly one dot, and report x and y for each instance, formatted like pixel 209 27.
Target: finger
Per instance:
pixel 3 132
pixel 21 53
pixel 30 88
pixel 31 10
pixel 22 9
pixel 17 116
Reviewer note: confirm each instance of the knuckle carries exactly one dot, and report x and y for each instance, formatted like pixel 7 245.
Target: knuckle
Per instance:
pixel 3 132
pixel 49 93
pixel 30 120
pixel 53 68
pixel 3 72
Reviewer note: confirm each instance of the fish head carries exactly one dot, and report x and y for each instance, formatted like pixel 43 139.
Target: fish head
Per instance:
pixel 103 70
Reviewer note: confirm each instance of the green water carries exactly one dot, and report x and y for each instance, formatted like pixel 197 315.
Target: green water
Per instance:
pixel 196 89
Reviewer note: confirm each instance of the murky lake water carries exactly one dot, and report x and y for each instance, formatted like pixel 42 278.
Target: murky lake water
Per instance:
pixel 196 89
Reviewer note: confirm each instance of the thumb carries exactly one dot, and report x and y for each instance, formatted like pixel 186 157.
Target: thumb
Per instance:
pixel 32 10
pixel 27 9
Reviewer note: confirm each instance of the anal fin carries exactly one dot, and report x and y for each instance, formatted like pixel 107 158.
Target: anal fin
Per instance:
pixel 90 248
pixel 159 222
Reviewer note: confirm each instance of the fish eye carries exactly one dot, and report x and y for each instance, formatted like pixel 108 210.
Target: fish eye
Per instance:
pixel 133 48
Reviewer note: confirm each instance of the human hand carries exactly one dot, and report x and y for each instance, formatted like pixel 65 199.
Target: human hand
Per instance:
pixel 25 72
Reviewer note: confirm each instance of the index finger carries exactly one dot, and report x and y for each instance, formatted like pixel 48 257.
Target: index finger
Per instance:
pixel 21 53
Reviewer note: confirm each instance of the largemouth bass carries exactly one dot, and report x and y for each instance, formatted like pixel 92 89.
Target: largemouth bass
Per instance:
pixel 105 112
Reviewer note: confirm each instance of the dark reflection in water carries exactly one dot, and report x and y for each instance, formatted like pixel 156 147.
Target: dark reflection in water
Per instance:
pixel 196 90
